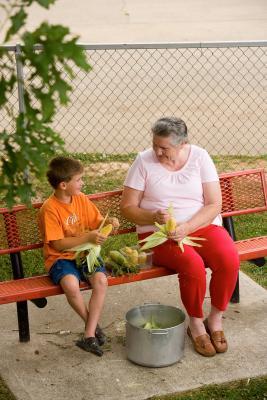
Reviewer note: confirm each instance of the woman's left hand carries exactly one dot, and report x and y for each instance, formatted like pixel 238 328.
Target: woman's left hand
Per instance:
pixel 180 232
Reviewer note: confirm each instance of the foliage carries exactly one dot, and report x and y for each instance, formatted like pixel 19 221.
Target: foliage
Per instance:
pixel 32 140
pixel 246 389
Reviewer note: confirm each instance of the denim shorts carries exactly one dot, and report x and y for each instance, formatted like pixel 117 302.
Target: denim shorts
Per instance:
pixel 69 267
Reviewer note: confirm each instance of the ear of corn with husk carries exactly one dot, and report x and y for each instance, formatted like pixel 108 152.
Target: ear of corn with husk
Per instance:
pixel 90 251
pixel 126 260
pixel 161 236
pixel 106 230
pixel 152 324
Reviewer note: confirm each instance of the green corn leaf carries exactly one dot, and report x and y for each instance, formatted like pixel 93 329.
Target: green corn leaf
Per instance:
pixel 83 247
pixel 195 238
pixel 190 242
pixel 91 260
pixel 154 235
pixel 153 243
pixel 160 227
pixel 181 246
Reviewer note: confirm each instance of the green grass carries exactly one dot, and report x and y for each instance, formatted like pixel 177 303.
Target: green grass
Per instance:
pixel 5 393
pixel 247 389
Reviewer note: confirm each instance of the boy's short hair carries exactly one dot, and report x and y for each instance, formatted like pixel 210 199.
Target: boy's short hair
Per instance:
pixel 62 169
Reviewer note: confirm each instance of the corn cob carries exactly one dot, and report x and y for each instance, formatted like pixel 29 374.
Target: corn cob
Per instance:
pixel 133 257
pixel 116 256
pixel 161 236
pixel 91 251
pixel 106 230
pixel 170 225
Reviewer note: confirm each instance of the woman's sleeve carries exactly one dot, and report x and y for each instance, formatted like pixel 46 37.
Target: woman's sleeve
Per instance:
pixel 136 175
pixel 208 170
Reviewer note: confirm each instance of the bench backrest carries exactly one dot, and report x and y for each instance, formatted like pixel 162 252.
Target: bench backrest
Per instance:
pixel 243 192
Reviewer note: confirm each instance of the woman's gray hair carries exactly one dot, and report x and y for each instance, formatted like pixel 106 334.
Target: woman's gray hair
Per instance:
pixel 173 127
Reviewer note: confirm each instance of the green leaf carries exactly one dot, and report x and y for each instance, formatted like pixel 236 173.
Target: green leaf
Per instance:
pixel 154 243
pixel 3 90
pixel 62 88
pixel 45 3
pixel 17 21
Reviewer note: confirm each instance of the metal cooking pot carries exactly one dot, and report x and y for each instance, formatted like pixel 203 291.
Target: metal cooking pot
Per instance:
pixel 155 347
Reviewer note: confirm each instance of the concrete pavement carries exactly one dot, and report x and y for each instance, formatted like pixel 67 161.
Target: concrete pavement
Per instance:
pixel 127 21
pixel 51 367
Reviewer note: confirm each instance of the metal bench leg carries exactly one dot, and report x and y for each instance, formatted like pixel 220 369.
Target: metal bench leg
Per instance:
pixel 229 226
pixel 260 262
pixel 22 306
pixel 23 321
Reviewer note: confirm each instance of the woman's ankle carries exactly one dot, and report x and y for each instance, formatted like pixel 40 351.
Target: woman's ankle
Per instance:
pixel 215 319
pixel 197 327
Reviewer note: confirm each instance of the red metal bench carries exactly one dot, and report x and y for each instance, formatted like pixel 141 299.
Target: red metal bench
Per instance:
pixel 243 192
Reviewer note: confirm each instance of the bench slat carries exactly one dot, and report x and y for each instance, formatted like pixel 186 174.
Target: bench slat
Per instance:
pixel 252 248
pixel 42 286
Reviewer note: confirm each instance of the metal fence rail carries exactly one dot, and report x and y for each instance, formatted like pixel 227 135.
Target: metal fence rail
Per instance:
pixel 219 89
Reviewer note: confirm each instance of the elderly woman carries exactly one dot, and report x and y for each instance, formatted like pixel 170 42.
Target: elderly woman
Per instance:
pixel 176 172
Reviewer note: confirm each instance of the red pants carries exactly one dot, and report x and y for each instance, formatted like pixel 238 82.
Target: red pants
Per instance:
pixel 217 252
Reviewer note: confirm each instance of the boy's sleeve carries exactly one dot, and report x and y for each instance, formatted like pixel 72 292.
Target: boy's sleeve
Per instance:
pixel 50 226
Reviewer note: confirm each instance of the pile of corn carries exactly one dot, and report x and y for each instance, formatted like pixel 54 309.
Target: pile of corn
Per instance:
pixel 124 261
pixel 161 236
pixel 152 324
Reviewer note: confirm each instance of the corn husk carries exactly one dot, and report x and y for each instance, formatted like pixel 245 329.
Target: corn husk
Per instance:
pixel 151 324
pixel 90 251
pixel 161 236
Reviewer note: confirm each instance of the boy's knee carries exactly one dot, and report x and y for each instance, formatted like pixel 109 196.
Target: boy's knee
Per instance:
pixel 99 281
pixel 70 285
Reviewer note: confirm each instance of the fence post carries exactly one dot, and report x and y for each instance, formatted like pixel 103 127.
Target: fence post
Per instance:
pixel 20 76
pixel 22 306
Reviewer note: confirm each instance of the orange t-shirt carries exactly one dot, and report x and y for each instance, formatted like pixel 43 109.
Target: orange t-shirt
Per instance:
pixel 58 220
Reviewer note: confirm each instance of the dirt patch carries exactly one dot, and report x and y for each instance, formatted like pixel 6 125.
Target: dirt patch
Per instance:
pixel 100 169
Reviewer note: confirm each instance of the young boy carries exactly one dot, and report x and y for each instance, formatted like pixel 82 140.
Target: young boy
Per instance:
pixel 67 219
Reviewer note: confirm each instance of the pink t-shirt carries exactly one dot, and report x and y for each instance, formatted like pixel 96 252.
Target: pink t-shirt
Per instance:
pixel 183 189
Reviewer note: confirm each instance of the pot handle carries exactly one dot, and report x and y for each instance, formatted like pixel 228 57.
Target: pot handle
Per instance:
pixel 159 332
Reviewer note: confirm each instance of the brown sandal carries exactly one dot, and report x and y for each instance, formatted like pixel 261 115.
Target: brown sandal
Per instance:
pixel 217 339
pixel 202 344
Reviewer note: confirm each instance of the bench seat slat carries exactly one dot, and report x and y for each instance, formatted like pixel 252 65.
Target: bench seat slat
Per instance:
pixel 41 286
pixel 252 248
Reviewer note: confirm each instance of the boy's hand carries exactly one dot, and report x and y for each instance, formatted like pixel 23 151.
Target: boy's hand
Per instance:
pixel 96 237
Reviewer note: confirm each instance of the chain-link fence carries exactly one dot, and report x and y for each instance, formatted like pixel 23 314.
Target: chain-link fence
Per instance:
pixel 219 89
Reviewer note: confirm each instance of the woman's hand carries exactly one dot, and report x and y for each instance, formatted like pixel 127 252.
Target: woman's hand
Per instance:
pixel 161 216
pixel 114 222
pixel 180 232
